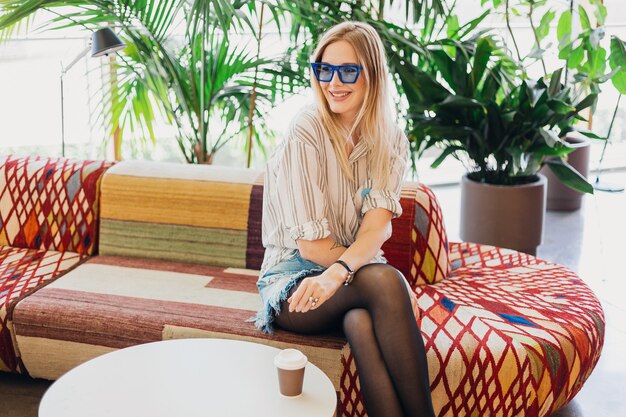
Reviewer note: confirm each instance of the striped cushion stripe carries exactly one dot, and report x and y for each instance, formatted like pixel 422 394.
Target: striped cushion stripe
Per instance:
pixel 220 247
pixel 255 250
pixel 174 201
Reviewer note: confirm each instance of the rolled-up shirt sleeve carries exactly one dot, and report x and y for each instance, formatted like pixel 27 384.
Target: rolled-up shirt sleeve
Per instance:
pixel 301 178
pixel 389 197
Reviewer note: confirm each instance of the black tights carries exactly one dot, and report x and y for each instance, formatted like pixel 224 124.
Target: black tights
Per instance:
pixel 377 319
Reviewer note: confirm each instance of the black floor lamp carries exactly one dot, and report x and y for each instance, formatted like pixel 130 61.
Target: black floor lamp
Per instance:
pixel 103 42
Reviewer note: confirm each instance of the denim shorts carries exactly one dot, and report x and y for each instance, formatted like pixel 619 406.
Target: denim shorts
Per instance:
pixel 275 284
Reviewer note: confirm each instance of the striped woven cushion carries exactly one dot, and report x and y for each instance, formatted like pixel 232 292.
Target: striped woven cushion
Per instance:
pixel 510 339
pixel 49 203
pixel 190 213
pixel 114 302
pixel 23 271
pixel 212 216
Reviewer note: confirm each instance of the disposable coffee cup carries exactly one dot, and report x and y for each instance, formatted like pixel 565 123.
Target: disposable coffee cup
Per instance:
pixel 290 364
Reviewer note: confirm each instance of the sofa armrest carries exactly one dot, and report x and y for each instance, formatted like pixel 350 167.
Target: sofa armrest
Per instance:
pixel 418 246
pixel 50 203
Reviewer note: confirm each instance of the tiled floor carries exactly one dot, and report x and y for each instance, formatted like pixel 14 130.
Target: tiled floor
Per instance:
pixel 590 241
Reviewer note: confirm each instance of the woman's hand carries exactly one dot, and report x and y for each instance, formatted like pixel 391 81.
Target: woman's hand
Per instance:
pixel 413 297
pixel 315 290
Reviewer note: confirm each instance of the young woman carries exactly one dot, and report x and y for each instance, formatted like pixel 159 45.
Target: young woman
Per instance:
pixel 331 190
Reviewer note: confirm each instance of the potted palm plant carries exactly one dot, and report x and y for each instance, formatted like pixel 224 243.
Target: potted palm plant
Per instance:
pixel 477 106
pixel 209 89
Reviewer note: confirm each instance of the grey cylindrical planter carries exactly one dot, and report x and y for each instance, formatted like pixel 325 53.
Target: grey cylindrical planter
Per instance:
pixel 561 197
pixel 504 216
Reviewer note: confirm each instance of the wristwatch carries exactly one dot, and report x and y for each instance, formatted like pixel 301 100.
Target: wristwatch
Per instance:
pixel 350 275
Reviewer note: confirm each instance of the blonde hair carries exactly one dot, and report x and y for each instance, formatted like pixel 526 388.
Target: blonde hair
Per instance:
pixel 375 120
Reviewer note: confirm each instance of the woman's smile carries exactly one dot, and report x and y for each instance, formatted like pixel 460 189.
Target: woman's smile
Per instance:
pixel 338 95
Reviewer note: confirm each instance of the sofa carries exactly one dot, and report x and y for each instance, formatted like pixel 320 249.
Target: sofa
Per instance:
pixel 96 257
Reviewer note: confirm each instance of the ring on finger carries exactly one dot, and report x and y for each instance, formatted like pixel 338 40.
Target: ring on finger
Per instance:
pixel 313 300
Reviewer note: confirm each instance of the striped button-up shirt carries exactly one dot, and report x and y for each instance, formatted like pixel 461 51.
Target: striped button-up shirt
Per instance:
pixel 307 196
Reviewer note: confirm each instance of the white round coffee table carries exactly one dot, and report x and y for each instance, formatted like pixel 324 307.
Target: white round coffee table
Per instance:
pixel 186 378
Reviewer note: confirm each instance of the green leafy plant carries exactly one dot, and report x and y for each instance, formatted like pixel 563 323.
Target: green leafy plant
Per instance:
pixel 200 79
pixel 476 107
pixel 577 40
pixel 196 79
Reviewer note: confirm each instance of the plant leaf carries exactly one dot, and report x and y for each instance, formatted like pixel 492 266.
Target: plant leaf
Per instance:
pixel 459 101
pixel 555 82
pixel 588 133
pixel 550 137
pixel 596 36
pixel 564 28
pixel 536 53
pixel 470 26
pixel 617 61
pixel 597 62
pixel 447 152
pixel 569 176
pixel 484 48
pixel 560 107
pixel 599 11
pixel 544 25
pixel 588 101
pixel 576 56
pixel 584 18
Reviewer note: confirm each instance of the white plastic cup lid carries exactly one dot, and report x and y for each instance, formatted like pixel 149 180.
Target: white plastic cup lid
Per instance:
pixel 290 359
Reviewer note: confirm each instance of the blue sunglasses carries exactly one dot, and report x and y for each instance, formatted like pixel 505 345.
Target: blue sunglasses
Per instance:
pixel 348 74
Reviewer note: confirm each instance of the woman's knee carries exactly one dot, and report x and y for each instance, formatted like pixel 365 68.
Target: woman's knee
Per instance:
pixel 380 279
pixel 357 321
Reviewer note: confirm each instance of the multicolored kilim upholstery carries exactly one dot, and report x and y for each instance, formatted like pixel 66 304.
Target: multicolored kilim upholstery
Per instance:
pixel 418 246
pixel 49 204
pixel 470 254
pixel 512 338
pixel 506 335
pixel 511 334
pixel 178 212
pixel 114 302
pixel 22 271
pixel 212 215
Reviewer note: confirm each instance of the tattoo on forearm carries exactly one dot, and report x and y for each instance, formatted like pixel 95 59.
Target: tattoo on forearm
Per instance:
pixel 336 245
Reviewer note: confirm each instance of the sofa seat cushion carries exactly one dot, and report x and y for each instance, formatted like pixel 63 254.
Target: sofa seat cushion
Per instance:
pixel 23 271
pixel 509 340
pixel 471 254
pixel 115 302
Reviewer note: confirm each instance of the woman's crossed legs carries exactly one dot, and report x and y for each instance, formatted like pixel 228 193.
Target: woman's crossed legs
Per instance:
pixel 376 316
